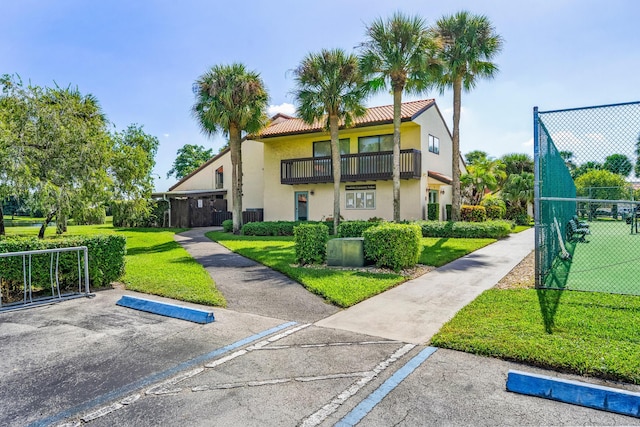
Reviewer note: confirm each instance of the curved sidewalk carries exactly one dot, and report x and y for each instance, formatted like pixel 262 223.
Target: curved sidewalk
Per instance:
pixel 414 311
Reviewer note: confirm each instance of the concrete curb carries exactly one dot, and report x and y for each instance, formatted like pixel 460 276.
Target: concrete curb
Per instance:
pixel 166 309
pixel 575 392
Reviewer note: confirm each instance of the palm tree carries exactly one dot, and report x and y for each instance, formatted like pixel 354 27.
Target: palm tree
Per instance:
pixel 329 87
pixel 518 190
pixel 399 51
pixel 231 99
pixel 482 175
pixel 468 44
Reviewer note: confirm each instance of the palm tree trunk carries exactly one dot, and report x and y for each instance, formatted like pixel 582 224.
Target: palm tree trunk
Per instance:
pixel 2 231
pixel 335 167
pixel 455 157
pixel 236 176
pixel 397 104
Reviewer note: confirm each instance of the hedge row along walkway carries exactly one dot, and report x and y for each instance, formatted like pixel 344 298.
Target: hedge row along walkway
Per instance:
pixel 412 312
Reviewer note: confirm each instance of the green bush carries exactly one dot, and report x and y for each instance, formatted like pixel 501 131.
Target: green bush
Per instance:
pixel 432 211
pixel 518 214
pixel 106 261
pixel 394 246
pixel 488 229
pixel 273 228
pixel 495 206
pixel 90 216
pixel 311 243
pixel 473 213
pixel 354 228
pixel 227 225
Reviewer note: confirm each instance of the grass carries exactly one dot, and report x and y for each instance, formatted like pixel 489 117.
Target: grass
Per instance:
pixel 591 334
pixel 343 288
pixel 155 263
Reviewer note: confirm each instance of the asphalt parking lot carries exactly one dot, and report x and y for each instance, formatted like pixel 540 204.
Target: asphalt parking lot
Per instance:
pixel 90 362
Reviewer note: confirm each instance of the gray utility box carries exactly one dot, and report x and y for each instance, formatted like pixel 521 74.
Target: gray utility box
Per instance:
pixel 346 252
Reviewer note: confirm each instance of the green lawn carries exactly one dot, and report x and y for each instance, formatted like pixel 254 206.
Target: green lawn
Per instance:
pixel 592 334
pixel 341 287
pixel 155 263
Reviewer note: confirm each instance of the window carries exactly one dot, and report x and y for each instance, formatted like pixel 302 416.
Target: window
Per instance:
pixel 374 144
pixel 360 197
pixel 323 148
pixel 434 144
pixel 433 196
pixel 219 178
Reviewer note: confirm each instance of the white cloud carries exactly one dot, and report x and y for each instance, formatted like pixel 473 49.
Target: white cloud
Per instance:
pixel 284 108
pixel 528 143
pixel 166 135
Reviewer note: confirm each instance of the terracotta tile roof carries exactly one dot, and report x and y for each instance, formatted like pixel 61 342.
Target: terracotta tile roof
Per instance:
pixel 285 125
pixel 440 177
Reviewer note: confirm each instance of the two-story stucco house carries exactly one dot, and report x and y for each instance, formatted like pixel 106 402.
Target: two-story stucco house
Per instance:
pixel 287 168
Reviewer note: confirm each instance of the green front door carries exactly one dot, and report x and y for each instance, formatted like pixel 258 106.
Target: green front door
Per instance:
pixel 302 205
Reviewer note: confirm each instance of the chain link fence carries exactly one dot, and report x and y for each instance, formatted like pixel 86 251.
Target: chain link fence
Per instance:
pixel 587 198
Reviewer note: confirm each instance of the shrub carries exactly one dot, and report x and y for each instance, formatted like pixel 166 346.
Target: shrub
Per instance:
pixel 227 225
pixel 518 214
pixel 394 246
pixel 106 261
pixel 488 229
pixel 273 228
pixel 90 216
pixel 432 211
pixel 448 208
pixel 311 243
pixel 354 228
pixel 495 206
pixel 473 213
pixel 131 213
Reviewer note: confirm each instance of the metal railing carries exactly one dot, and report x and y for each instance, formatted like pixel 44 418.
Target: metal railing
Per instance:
pixel 54 276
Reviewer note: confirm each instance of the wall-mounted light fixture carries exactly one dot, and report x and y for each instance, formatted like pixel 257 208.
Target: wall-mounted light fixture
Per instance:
pixel 442 191
pixel 312 192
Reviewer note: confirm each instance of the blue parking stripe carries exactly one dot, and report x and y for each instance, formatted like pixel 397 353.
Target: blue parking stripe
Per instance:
pixel 360 411
pixel 124 390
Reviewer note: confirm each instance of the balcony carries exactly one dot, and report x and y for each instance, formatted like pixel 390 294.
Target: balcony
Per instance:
pixel 353 167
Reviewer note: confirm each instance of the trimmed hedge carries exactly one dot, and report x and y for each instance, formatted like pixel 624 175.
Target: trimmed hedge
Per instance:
pixel 90 216
pixel 274 228
pixel 488 229
pixel 394 246
pixel 227 225
pixel 311 243
pixel 106 261
pixel 355 228
pixel 432 211
pixel 495 206
pixel 473 213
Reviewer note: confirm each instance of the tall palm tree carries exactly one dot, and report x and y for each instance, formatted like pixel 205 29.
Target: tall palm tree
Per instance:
pixel 398 52
pixel 329 87
pixel 231 99
pixel 468 44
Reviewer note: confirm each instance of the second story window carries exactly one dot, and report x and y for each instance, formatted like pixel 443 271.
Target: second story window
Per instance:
pixel 374 144
pixel 434 144
pixel 219 178
pixel 323 148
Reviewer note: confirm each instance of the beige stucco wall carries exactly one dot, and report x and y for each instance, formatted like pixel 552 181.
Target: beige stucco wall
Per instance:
pixel 253 182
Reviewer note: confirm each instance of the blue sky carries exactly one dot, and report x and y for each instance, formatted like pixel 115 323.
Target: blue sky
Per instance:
pixel 140 58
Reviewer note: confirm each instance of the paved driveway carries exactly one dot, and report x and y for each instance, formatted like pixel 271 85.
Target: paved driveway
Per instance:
pixel 88 361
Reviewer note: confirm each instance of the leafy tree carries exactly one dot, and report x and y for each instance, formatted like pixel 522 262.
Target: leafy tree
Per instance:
pixel 602 184
pixel 476 156
pixel 485 174
pixel 399 52
pixel 584 168
pixel 518 189
pixel 132 163
pixel 189 158
pixel 329 87
pixel 468 43
pixel 517 163
pixel 618 163
pixel 567 156
pixel 231 99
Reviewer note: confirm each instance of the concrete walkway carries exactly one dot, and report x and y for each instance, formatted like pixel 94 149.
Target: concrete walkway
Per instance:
pixel 414 311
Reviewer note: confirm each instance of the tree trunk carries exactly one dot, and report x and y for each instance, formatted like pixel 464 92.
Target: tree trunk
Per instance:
pixel 235 142
pixel 2 231
pixel 335 167
pixel 45 224
pixel 455 157
pixel 397 105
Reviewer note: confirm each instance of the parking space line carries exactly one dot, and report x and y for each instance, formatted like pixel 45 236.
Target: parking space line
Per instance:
pixel 124 390
pixel 360 411
pixel 320 415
